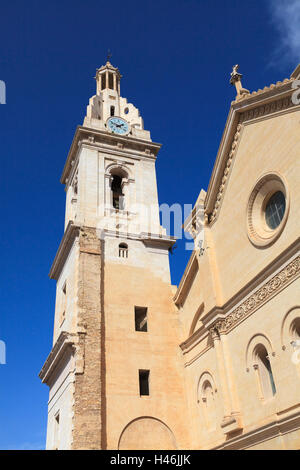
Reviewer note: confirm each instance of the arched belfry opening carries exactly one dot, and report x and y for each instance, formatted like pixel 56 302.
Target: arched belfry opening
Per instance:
pixel 117 191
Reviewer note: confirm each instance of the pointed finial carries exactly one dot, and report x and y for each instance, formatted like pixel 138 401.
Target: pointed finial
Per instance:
pixel 235 79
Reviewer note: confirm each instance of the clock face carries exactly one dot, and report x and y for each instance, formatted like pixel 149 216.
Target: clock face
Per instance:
pixel 118 125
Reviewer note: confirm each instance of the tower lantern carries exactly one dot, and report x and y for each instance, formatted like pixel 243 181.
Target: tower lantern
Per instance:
pixel 108 78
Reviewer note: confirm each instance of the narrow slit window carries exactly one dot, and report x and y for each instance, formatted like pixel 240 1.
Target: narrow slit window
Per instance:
pixel 141 320
pixel 144 382
pixel 112 110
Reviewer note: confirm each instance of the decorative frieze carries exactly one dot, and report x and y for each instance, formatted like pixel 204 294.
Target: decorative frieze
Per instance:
pixel 265 109
pixel 258 298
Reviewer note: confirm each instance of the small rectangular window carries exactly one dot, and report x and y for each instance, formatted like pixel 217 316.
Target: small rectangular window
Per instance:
pixel 144 382
pixel 141 318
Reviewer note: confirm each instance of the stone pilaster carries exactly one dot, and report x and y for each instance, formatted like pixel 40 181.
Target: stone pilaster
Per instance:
pixel 88 406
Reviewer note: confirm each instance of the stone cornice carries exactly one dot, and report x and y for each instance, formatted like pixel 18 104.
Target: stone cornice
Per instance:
pixel 149 240
pixel 109 66
pixel 108 142
pixel 276 100
pixel 187 276
pixel 156 241
pixel 296 74
pixel 65 341
pixel 276 427
pixel 71 232
pixel 267 91
pixel 198 336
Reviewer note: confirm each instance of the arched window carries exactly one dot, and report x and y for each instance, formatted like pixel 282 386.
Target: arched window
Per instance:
pixel 208 403
pixel 117 194
pixel 263 367
pixel 112 110
pixel 207 400
pixel 295 341
pixel 295 329
pixel 123 250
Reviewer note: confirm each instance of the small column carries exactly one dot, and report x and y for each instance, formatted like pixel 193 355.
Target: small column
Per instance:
pixel 211 253
pixel 229 374
pixel 257 378
pixel 222 372
pixel 98 82
pixel 108 196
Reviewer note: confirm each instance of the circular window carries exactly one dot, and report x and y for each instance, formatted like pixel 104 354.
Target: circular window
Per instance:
pixel 267 209
pixel 275 210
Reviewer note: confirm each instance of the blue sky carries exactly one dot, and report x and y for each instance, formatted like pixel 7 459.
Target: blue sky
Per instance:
pixel 176 58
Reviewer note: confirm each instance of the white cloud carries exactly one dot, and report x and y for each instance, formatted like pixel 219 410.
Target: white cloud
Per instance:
pixel 285 16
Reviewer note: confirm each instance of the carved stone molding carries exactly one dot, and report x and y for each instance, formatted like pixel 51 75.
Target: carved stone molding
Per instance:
pixel 67 242
pixel 265 109
pixel 271 429
pixel 214 333
pixel 101 140
pixel 222 185
pixel 65 342
pixel 259 297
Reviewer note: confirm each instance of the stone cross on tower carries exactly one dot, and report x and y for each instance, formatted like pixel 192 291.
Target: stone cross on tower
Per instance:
pixel 109 55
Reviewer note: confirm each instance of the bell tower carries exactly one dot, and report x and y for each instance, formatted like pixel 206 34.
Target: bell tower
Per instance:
pixel 108 87
pixel 115 372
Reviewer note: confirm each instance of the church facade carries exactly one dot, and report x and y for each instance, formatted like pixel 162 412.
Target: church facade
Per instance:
pixel 137 363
